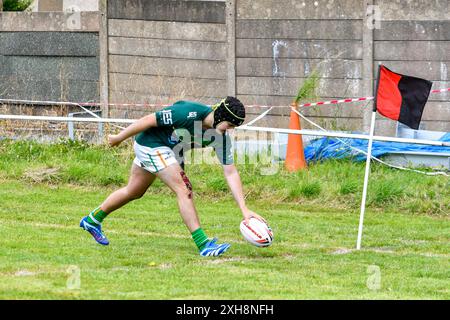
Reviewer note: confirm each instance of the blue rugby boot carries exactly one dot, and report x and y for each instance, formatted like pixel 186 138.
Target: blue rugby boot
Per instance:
pixel 95 230
pixel 212 249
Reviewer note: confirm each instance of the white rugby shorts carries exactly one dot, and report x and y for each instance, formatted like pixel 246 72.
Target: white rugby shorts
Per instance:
pixel 153 159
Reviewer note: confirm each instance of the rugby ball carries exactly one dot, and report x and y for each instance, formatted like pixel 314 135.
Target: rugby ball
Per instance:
pixel 257 232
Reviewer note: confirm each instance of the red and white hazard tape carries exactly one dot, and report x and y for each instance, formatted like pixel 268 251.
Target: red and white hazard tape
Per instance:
pixel 320 103
pixel 93 104
pixel 440 90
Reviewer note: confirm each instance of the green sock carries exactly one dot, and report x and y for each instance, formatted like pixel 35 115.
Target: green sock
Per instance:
pixel 97 216
pixel 200 238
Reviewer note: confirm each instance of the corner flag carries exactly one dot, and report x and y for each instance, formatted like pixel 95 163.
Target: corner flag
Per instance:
pixel 400 97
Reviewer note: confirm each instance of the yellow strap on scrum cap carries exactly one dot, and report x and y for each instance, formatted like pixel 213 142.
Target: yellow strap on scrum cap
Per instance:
pixel 214 107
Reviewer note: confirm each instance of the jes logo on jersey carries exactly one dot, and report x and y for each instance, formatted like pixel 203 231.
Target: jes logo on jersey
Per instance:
pixel 167 116
pixel 192 115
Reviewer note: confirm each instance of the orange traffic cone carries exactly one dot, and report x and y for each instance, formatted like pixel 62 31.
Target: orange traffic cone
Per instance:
pixel 295 155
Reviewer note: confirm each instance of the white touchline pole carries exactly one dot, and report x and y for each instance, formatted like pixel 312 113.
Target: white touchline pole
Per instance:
pixel 366 181
pixel 307 132
pixel 243 127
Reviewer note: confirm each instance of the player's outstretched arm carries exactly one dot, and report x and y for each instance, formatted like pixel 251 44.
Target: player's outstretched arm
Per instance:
pixel 136 127
pixel 234 182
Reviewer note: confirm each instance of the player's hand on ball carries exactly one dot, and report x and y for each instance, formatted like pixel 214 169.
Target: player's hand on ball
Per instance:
pixel 114 140
pixel 249 214
pixel 257 232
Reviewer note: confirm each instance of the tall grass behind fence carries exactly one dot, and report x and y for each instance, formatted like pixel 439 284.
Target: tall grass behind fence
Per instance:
pixel 331 184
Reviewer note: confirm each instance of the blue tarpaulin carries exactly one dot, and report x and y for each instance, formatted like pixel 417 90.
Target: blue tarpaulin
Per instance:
pixel 332 148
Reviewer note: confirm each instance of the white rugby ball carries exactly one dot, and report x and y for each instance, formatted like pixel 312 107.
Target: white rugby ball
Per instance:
pixel 257 232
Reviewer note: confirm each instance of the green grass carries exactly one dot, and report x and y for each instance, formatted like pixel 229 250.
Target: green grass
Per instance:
pixel 46 189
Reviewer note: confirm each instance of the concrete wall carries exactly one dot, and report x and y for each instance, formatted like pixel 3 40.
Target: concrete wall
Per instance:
pixel 49 56
pixel 414 39
pixel 65 5
pixel 280 42
pixel 156 51
pixel 162 51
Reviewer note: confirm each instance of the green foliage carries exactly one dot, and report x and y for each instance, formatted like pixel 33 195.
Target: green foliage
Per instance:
pixel 311 189
pixel 385 192
pixel 308 88
pixel 16 5
pixel 217 184
pixel 305 189
pixel 75 161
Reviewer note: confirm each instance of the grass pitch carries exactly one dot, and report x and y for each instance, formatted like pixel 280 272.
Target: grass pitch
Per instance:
pixel 45 190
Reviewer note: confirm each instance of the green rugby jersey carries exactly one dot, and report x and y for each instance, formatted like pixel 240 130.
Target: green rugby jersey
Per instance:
pixel 181 121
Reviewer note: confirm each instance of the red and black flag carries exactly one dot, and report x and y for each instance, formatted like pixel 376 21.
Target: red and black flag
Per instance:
pixel 401 97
